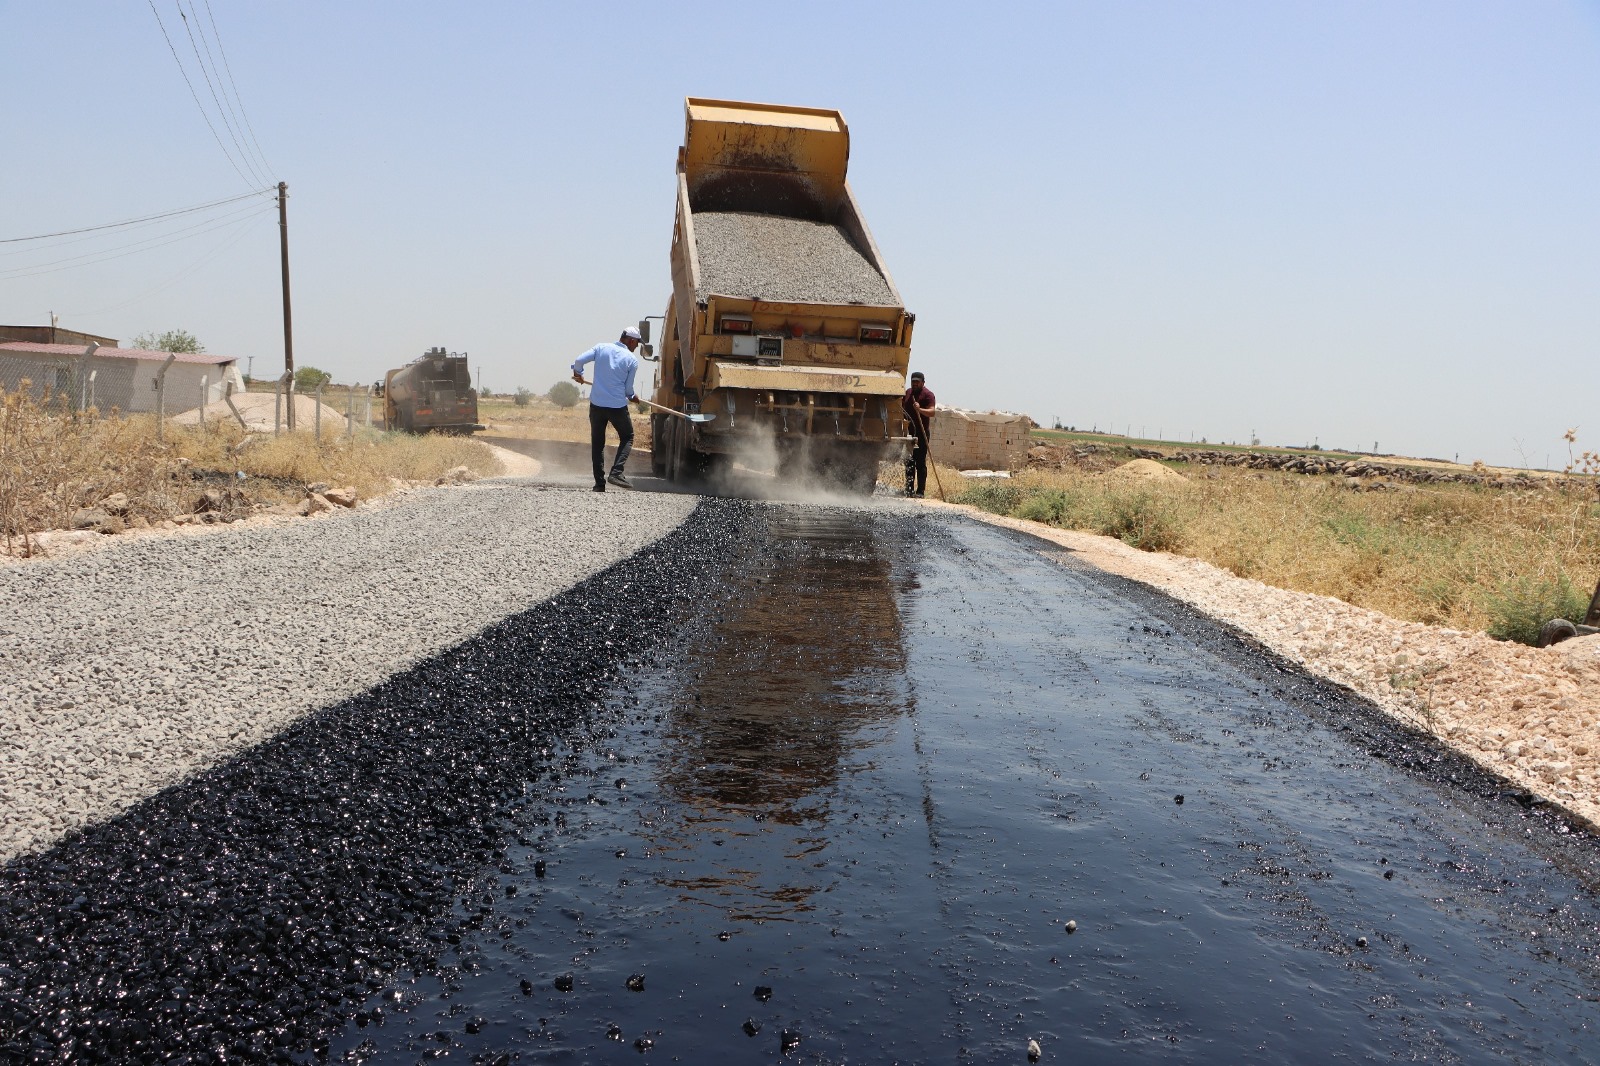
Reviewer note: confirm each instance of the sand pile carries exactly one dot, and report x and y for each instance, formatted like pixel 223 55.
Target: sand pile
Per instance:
pixel 257 409
pixel 1146 470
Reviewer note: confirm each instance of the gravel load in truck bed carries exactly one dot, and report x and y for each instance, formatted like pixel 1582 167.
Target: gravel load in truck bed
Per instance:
pixel 791 260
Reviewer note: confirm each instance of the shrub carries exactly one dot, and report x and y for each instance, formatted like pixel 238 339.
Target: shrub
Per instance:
pixel 1141 520
pixel 173 340
pixel 1053 506
pixel 563 394
pixel 1521 606
pixel 996 496
pixel 522 397
pixel 308 378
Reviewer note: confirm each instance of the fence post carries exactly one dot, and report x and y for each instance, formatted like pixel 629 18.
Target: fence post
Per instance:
pixel 369 406
pixel 227 394
pixel 92 375
pixel 83 374
pixel 161 398
pixel 350 414
pixel 205 380
pixel 277 407
pixel 318 419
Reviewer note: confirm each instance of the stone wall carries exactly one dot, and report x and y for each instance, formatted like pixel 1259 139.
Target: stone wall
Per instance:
pixel 968 440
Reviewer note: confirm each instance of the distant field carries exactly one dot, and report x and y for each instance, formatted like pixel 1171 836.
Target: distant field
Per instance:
pixel 1473 557
pixel 1061 436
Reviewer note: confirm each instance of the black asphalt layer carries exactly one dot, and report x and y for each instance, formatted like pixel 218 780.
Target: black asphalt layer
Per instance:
pixel 831 784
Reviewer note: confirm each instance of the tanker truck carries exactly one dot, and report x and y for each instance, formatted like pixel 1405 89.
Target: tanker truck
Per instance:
pixel 432 394
pixel 784 325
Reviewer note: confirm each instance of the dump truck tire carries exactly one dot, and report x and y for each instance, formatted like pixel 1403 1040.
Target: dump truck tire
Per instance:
pixel 658 445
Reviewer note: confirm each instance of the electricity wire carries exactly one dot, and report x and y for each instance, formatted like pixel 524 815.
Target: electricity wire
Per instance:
pixel 216 35
pixel 141 220
pixel 222 110
pixel 241 229
pixel 203 114
pixel 155 241
pixel 143 246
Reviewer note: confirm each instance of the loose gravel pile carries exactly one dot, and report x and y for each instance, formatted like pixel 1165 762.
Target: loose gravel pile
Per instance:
pixel 129 669
pixel 784 260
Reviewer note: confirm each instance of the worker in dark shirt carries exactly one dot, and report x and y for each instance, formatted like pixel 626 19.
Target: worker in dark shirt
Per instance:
pixel 918 406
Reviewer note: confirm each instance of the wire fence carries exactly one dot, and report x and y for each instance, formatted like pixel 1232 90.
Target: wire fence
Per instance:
pixel 77 384
pixel 185 393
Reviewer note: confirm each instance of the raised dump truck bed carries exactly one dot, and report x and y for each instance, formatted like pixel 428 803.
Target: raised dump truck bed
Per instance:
pixel 784 322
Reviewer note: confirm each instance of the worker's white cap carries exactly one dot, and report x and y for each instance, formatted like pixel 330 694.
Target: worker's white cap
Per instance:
pixel 631 332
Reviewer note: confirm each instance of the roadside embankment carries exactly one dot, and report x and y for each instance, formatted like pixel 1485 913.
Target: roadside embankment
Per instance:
pixel 128 668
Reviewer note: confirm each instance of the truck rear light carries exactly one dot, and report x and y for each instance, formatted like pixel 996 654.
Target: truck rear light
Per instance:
pixel 877 334
pixel 736 324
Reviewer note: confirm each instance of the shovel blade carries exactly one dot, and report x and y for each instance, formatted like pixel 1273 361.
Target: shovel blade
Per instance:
pixel 701 418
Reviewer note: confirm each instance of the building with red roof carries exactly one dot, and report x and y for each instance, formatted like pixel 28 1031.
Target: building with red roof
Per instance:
pixel 106 377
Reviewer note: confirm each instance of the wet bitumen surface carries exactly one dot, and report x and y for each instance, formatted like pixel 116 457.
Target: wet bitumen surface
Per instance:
pixel 823 784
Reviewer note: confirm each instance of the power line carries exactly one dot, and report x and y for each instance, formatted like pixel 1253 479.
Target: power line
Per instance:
pixel 137 221
pixel 222 112
pixel 100 254
pixel 241 229
pixel 228 67
pixel 28 272
pixel 58 245
pixel 197 103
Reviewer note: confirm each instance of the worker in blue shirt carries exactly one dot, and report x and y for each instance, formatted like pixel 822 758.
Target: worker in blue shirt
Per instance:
pixel 614 368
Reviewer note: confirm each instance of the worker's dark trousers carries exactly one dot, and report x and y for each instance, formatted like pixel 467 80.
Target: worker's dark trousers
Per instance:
pixel 917 470
pixel 617 418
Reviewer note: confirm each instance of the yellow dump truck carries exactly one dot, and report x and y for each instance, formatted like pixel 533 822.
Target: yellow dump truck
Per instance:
pixel 784 324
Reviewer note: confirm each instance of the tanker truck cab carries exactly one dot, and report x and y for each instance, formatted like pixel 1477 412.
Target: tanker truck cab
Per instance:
pixel 784 321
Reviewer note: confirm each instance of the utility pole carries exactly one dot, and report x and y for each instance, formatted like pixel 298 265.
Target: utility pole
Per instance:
pixel 288 326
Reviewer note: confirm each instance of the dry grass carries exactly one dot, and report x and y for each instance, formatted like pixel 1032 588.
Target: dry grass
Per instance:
pixel 54 463
pixel 540 419
pixel 1466 557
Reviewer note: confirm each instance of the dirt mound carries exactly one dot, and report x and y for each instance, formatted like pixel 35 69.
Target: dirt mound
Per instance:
pixel 1146 470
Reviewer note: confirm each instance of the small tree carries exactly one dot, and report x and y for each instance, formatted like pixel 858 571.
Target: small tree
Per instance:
pixel 563 394
pixel 522 396
pixel 307 378
pixel 173 340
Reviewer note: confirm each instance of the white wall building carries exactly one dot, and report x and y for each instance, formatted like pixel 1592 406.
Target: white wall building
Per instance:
pixel 121 378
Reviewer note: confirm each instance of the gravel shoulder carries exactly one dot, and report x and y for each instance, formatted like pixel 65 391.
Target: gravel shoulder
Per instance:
pixel 131 666
pixel 1530 715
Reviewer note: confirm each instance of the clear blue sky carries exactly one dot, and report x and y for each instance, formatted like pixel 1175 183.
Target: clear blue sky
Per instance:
pixel 1353 223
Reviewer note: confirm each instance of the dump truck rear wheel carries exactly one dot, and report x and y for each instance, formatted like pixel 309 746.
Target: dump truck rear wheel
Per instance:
pixel 658 449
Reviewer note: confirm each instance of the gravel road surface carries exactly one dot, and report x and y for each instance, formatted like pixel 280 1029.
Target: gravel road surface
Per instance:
pixel 128 669
pixel 772 258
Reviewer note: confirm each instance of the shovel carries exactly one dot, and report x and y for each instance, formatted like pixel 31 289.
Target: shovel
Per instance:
pixel 671 411
pixel 927 454
pixel 681 414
